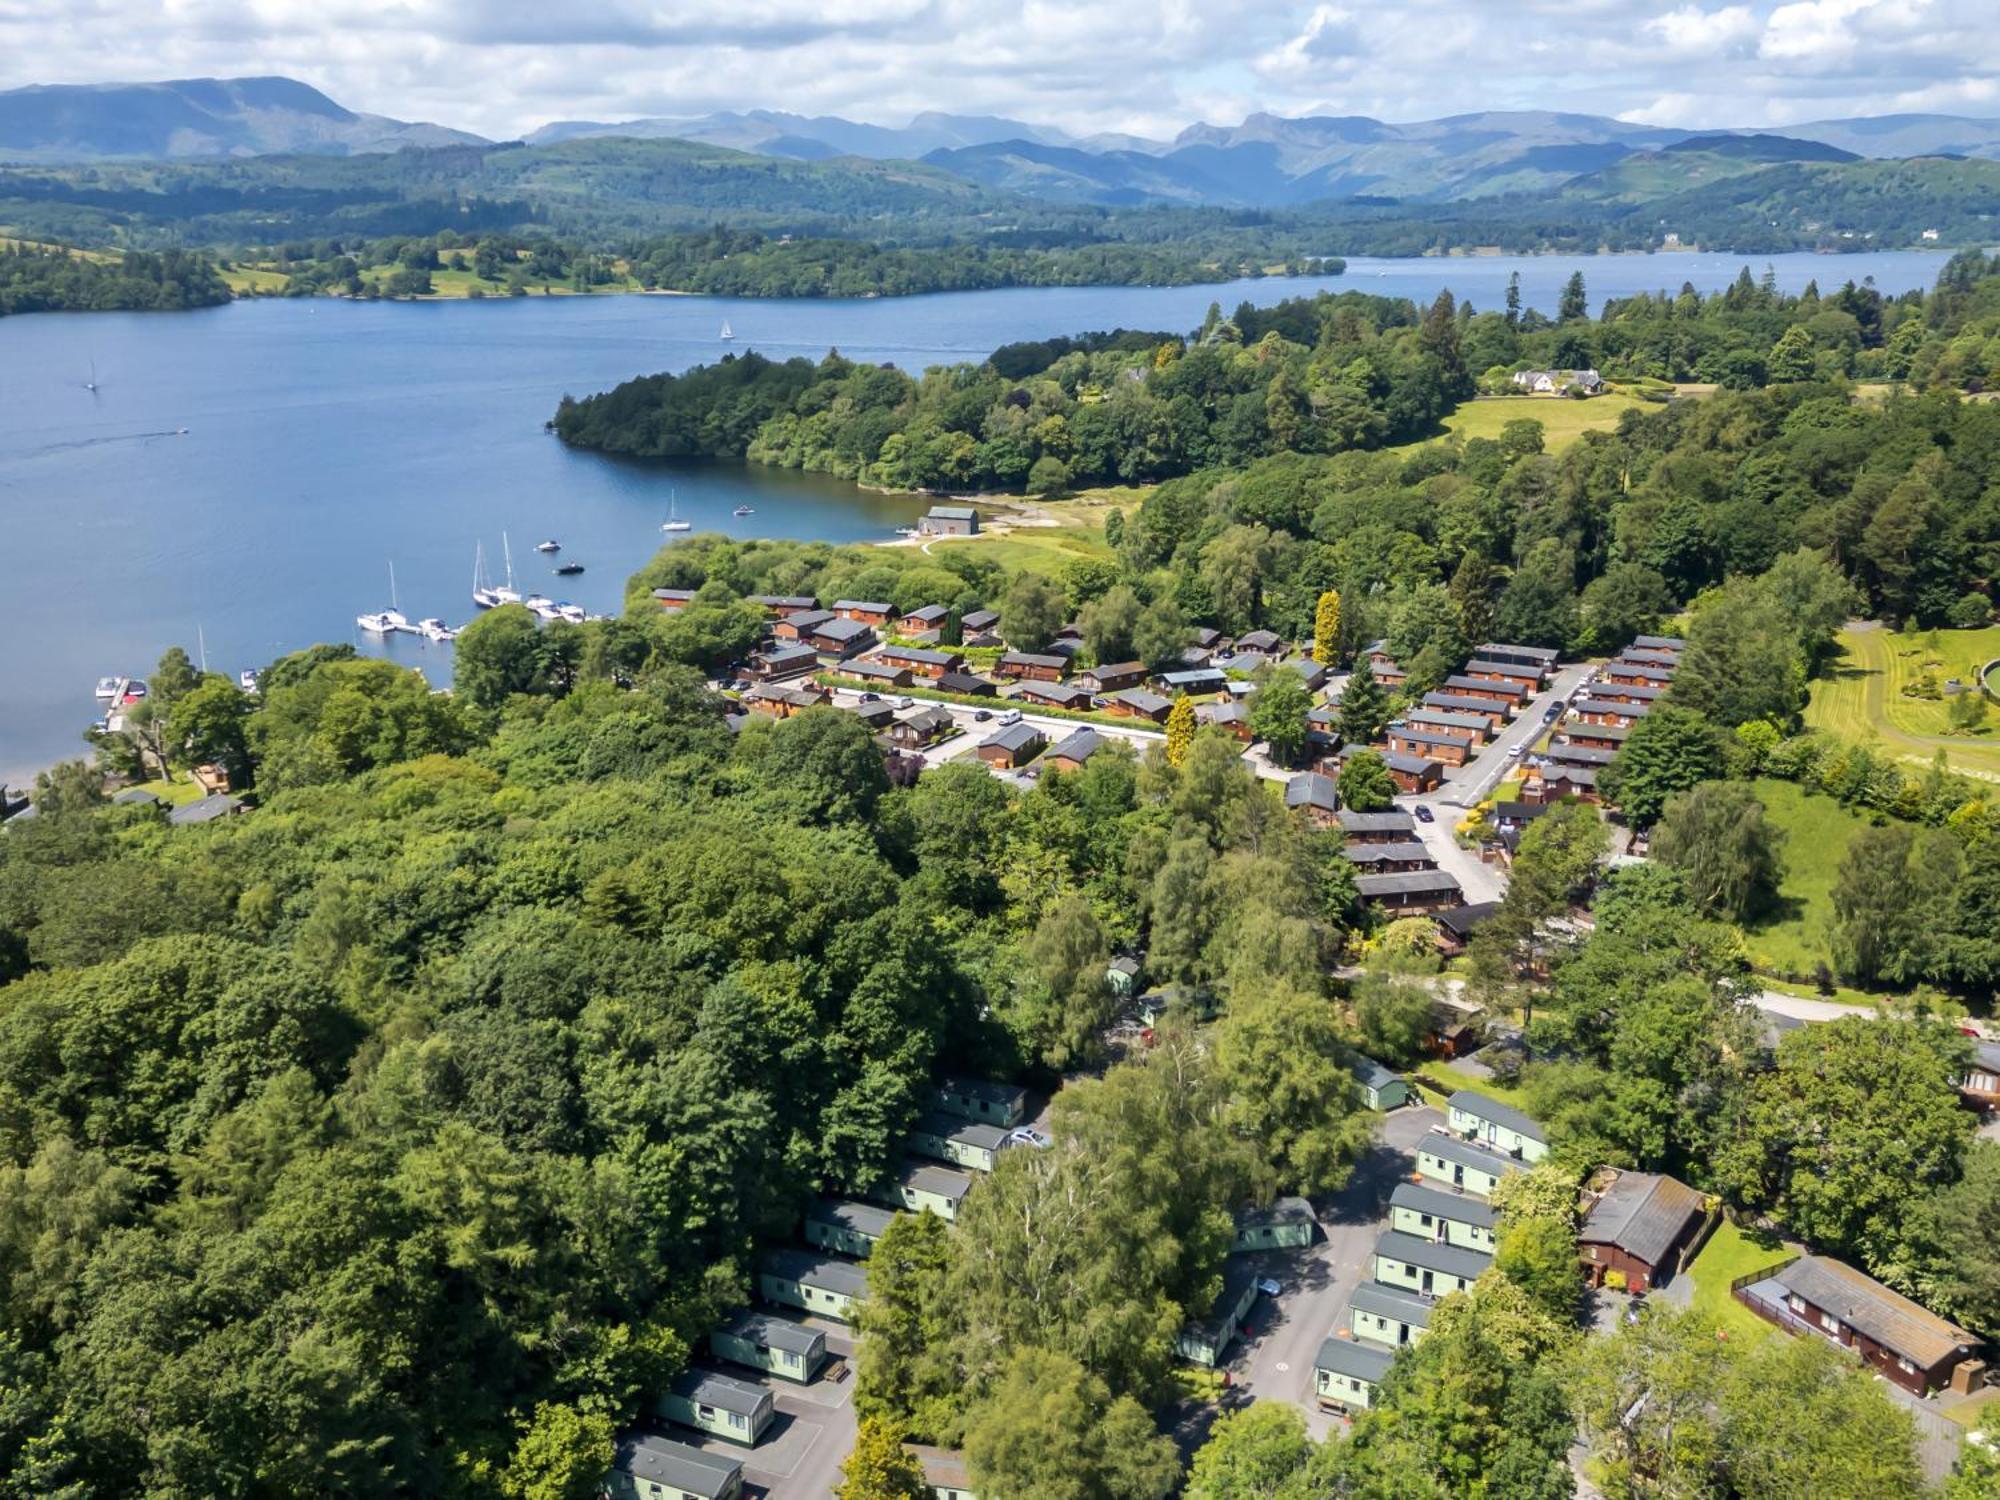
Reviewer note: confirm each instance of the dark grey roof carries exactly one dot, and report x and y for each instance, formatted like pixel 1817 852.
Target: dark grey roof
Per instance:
pixel 1477 685
pixel 1606 706
pixel 1462 919
pixel 1443 1204
pixel 871 606
pixel 1139 698
pixel 862 1218
pixel 1444 718
pixel 791 651
pixel 1382 854
pixel 768 1332
pixel 134 796
pixel 1406 883
pixel 207 810
pixel 1259 640
pixel 1015 737
pixel 1395 1302
pixel 1641 670
pixel 1120 669
pixel 953 512
pixel 917 654
pixel 682 594
pixel 1647 656
pixel 1890 1319
pixel 645 1455
pixel 942 1181
pixel 886 671
pixel 1574 774
pixel 1312 789
pixel 1644 692
pixel 965 683
pixel 806 619
pixel 726 1392
pixel 1426 736
pixel 1987 1055
pixel 1430 1255
pixel 965 1132
pixel 1485 707
pixel 843 630
pixel 929 720
pixel 1466 1153
pixel 802 1266
pixel 1661 642
pixel 1063 694
pixel 1283 1211
pixel 980 619
pixel 930 614
pixel 1616 733
pixel 785 601
pixel 1642 1214
pixel 1347 1357
pixel 1472 1102
pixel 1504 668
pixel 1372 1074
pixel 1409 765
pixel 1377 822
pixel 1495 651
pixel 1518 812
pixel 1033 659
pixel 1579 755
pixel 1078 744
pixel 1196 677
pixel 992 1090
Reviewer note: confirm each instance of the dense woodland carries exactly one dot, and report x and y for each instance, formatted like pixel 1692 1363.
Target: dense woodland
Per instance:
pixel 402 1135
pixel 50 279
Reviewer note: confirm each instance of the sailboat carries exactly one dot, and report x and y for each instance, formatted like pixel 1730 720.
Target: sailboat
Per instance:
pixel 507 593
pixel 673 521
pixel 385 621
pixel 483 593
pixel 727 334
pixel 91 384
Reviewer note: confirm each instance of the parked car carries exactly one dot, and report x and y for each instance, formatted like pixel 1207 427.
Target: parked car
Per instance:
pixel 1010 716
pixel 1424 814
pixel 1515 752
pixel 1269 1287
pixel 1554 710
pixel 906 703
pixel 981 715
pixel 1027 1135
pixel 871 697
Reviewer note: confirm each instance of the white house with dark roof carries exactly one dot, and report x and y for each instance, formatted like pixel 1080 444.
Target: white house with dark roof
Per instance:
pixel 649 1467
pixel 1498 1125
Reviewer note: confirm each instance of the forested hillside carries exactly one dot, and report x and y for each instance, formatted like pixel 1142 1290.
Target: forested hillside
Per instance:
pixel 37 278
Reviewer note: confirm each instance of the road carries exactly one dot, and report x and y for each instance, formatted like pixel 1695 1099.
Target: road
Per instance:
pixel 971 731
pixel 800 1454
pixel 1275 1362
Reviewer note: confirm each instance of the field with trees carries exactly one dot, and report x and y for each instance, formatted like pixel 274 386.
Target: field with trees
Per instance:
pixel 1887 686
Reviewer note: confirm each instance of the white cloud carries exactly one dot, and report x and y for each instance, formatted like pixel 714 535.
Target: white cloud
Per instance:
pixel 1691 31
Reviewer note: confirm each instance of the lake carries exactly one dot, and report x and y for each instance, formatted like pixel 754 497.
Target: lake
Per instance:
pixel 326 440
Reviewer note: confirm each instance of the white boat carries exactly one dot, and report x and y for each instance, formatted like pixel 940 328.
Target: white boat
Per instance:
pixel 673 521
pixel 743 510
pixel 434 629
pixel 107 687
pixel 571 612
pixel 726 335
pixel 507 593
pixel 385 621
pixel 483 593
pixel 247 680
pixel 548 546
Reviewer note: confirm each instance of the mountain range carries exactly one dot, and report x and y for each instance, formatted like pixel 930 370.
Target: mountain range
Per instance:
pixel 1267 161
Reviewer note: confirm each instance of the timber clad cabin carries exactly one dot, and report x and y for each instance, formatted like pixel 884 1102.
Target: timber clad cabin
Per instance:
pixel 1380 1088
pixel 1070 752
pixel 720 1405
pixel 1413 893
pixel 1205 1340
pixel 783 699
pixel 1433 744
pixel 1122 674
pixel 800 624
pixel 1596 736
pixel 781 662
pixel 784 606
pixel 1062 695
pixel 1478 726
pixel 1431 1213
pixel 1527 679
pixel 963 1143
pixel 1262 642
pixel 1570 753
pixel 979 620
pixel 982 1100
pixel 917 621
pixel 1980 1087
pixel 1316 796
pixel 1542 658
pixel 1493 713
pixel 1230 716
pixel 944 1473
pixel 1637 1225
pixel 1501 1126
pixel 814 1283
pixel 950 520
pixel 1462 1164
pixel 867 611
pixel 1027 666
pixel 1555 783
pixel 920 728
pixel 1011 747
pixel 1286 1224
pixel 1391 674
pixel 1195 680
pixel 1389 859
pixel 1346 1373
pixel 1671 643
pixel 877 673
pixel 1455 927
pixel 845 1227
pixel 1137 703
pixel 1413 774
pixel 1610 714
pixel 1627 692
pixel 841 638
pixel 965 685
pixel 916 1187
pixel 649 1467
pixel 1388 1314
pixel 1641 656
pixel 1636 674
pixel 919 662
pixel 1497 689
pixel 773 1345
pixel 1896 1338
pixel 673 599
pixel 1378 827
pixel 1427 1267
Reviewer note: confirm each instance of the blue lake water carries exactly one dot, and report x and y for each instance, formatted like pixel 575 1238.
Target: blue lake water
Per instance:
pixel 325 440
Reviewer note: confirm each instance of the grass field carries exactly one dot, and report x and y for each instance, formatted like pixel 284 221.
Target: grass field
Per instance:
pixel 1563 422
pixel 1817 831
pixel 174 793
pixel 1050 533
pixel 1732 1252
pixel 1861 697
pixel 1453 1080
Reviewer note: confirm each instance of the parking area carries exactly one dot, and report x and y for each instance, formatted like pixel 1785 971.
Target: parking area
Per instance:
pixel 811 1435
pixel 1273 1359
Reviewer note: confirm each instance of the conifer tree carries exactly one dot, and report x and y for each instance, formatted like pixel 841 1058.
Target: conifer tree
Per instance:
pixel 1180 729
pixel 1326 628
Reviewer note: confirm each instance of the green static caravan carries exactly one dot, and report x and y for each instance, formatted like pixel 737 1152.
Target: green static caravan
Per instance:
pixel 1380 1088
pixel 916 1187
pixel 944 1473
pixel 1454 1218
pixel 845 1227
pixel 1388 1314
pixel 720 1405
pixel 648 1467
pixel 1498 1125
pixel 1426 1266
pixel 963 1143
pixel 982 1101
pixel 1455 1163
pixel 1345 1373
pixel 1204 1340
pixel 1284 1225
pixel 773 1345
pixel 812 1283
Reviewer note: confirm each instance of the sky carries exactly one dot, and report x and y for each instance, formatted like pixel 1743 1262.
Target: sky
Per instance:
pixel 502 67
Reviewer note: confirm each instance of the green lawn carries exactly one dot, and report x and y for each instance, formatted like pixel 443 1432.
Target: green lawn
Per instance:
pixel 1563 422
pixel 174 793
pixel 1729 1253
pixel 1861 697
pixel 1817 832
pixel 1452 1079
pixel 1078 531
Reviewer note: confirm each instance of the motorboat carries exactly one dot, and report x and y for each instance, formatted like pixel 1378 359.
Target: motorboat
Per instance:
pixel 569 569
pixel 379 621
pixel 550 546
pixel 434 629
pixel 571 612
pixel 743 510
pixel 107 687
pixel 247 680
